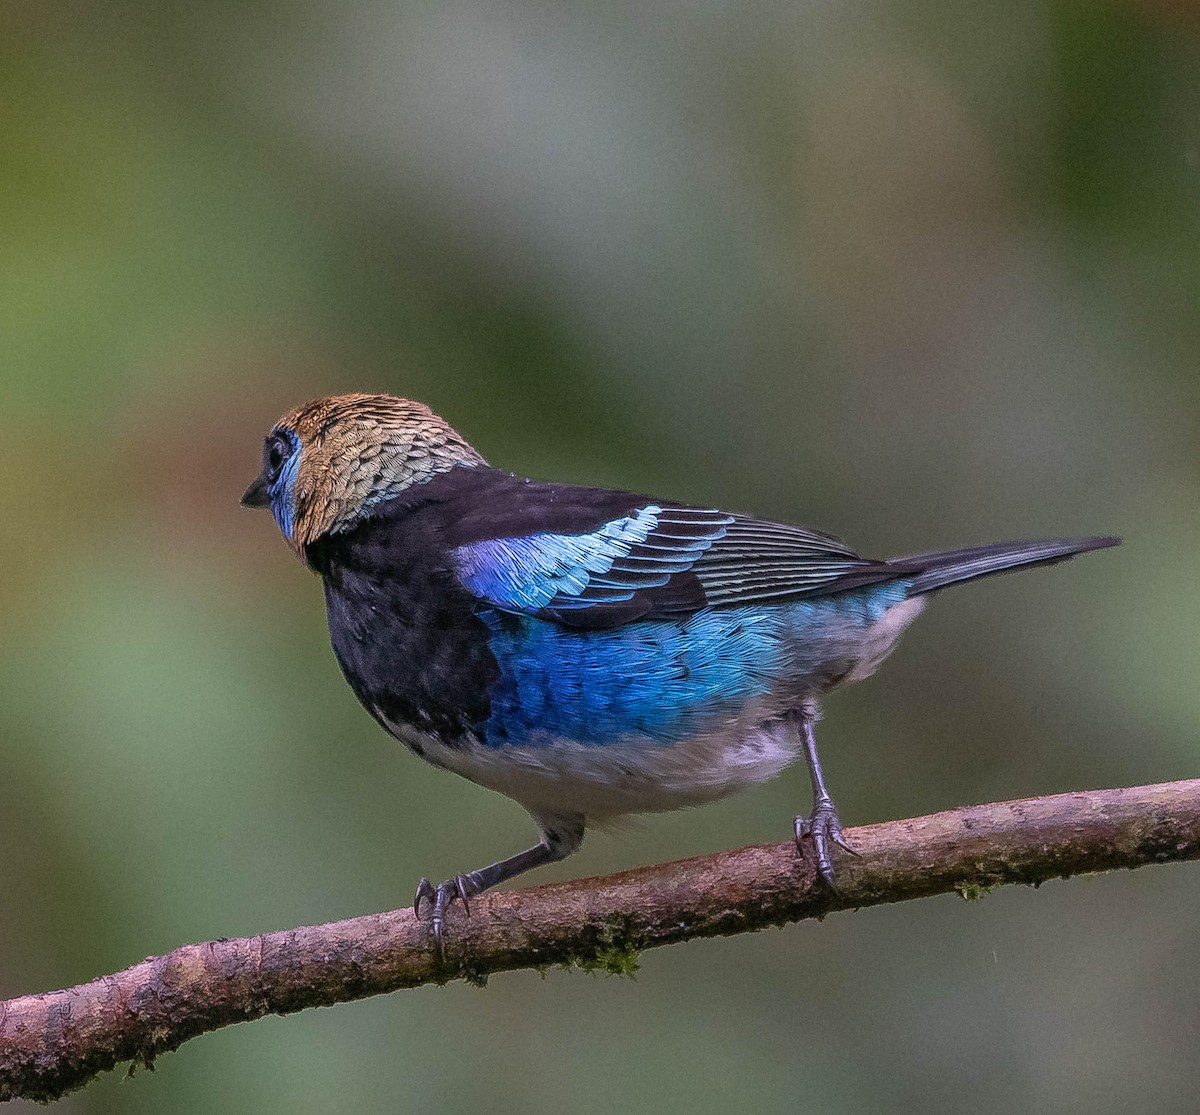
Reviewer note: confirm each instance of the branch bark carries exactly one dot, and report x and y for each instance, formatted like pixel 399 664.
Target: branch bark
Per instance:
pixel 53 1043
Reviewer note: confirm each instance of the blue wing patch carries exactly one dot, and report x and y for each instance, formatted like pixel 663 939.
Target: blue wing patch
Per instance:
pixel 610 565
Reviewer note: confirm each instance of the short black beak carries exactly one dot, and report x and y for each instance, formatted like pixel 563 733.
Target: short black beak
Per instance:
pixel 256 495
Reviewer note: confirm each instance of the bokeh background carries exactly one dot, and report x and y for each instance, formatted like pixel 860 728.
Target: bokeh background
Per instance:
pixel 921 274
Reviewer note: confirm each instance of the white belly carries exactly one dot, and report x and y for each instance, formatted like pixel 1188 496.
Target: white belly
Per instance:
pixel 642 775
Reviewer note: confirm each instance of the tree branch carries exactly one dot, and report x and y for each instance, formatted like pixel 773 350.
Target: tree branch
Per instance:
pixel 56 1042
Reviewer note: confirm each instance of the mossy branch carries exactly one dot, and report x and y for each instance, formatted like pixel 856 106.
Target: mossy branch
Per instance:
pixel 56 1042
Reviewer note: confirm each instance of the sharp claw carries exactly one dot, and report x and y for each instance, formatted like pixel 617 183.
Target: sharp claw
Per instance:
pixel 841 843
pixel 424 890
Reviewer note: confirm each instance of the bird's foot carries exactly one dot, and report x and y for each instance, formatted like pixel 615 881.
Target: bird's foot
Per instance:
pixel 824 828
pixel 440 898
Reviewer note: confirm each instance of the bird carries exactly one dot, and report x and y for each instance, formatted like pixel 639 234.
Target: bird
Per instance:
pixel 591 653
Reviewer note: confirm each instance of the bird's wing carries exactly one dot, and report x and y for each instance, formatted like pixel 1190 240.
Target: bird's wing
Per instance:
pixel 658 560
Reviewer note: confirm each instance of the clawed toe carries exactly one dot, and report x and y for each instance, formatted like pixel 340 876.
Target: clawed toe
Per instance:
pixel 425 889
pixel 822 828
pixel 441 897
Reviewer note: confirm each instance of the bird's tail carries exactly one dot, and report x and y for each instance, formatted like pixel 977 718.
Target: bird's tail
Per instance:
pixel 949 567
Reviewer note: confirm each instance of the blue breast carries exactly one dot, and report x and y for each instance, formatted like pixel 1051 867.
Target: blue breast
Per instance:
pixel 664 679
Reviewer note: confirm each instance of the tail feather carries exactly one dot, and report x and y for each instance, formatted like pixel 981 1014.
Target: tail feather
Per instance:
pixel 949 567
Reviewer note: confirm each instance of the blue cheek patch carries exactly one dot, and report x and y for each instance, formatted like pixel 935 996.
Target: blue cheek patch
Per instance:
pixel 283 499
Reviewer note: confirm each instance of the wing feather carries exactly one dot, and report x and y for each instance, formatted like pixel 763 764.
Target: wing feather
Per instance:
pixel 659 560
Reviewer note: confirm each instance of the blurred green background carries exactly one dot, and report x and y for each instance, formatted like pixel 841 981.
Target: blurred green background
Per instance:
pixel 922 275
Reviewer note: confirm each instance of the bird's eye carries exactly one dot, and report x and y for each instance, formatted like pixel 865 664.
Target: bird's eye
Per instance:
pixel 278 450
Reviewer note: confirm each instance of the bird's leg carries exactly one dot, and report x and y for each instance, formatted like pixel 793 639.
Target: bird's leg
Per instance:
pixel 822 825
pixel 560 837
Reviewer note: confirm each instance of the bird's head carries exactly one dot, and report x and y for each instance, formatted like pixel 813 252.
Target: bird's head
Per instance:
pixel 327 464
